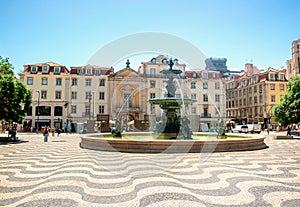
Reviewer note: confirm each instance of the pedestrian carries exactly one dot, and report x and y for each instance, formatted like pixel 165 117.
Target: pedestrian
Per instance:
pixel 46 134
pixel 288 131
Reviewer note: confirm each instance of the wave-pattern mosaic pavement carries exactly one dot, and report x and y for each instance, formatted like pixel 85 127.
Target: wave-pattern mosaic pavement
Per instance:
pixel 59 173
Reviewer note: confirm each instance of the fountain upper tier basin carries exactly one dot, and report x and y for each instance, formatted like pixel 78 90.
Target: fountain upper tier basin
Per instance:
pixel 169 102
pixel 145 143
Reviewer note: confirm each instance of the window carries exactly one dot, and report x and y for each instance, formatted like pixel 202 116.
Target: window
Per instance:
pixel 244 102
pixel 43 94
pixel 260 99
pixel 250 100
pixel 97 72
pixel 152 72
pixel 194 75
pixel 58 111
pixel 244 92
pixel 152 95
pixel 193 85
pixel 250 90
pixel 101 95
pixel 57 94
pixel 272 87
pixel 250 80
pixel 255 99
pixel 273 98
pixel 261 111
pixel 260 88
pixel 29 81
pixel 217 110
pixel 281 87
pixel 271 76
pixel 88 82
pixel 127 100
pixel 102 82
pixel 153 60
pixel 152 84
pixel 217 85
pixel 88 71
pixel 204 75
pixel 281 76
pixel 58 81
pixel 101 109
pixel 74 94
pixel 44 81
pixel 205 98
pixel 33 69
pixel 205 85
pixel 193 96
pixel 214 75
pixel 87 110
pixel 45 69
pixel 56 70
pixel 79 71
pixel 43 111
pixel 88 95
pixel 217 98
pixel 74 81
pixel 193 110
pixel 73 109
pixel 255 89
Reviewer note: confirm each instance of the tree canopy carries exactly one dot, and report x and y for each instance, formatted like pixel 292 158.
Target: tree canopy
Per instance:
pixel 288 111
pixel 15 97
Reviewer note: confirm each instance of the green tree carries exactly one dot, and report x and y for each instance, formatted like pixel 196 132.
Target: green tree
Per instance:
pixel 288 111
pixel 15 98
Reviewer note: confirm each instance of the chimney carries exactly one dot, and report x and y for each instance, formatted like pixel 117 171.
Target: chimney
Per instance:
pixel 249 69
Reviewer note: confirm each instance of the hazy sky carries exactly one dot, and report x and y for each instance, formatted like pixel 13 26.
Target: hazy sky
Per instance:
pixel 69 32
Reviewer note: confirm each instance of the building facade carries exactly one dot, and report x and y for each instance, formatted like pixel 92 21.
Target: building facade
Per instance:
pixel 251 96
pixel 49 83
pixel 293 65
pixel 82 93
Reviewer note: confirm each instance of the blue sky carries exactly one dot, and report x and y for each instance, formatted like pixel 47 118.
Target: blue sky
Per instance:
pixel 69 32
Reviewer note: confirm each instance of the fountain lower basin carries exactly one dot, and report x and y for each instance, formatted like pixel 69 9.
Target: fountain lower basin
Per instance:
pixel 138 142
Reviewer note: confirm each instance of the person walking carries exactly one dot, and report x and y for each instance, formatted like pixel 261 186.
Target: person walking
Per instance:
pixel 288 131
pixel 46 134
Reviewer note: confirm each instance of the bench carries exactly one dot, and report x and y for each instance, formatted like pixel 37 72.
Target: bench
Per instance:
pixel 282 137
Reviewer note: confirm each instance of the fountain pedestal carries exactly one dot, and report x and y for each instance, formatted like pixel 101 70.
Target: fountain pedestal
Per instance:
pixel 172 126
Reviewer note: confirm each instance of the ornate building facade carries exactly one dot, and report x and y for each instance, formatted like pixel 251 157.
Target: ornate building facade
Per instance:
pixel 293 65
pixel 84 92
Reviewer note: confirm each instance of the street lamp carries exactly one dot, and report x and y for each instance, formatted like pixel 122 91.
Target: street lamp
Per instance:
pixel 38 111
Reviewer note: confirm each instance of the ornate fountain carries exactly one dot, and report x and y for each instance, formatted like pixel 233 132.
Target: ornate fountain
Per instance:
pixel 172 126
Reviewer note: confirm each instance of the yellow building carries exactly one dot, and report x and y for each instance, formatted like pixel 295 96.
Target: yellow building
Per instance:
pixel 50 95
pixel 251 96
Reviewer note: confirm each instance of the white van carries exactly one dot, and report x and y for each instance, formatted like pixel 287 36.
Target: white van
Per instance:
pixel 254 128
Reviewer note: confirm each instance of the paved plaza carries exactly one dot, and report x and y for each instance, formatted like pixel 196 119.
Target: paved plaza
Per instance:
pixel 60 173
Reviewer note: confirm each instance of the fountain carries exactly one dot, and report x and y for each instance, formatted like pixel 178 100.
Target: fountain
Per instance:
pixel 173 126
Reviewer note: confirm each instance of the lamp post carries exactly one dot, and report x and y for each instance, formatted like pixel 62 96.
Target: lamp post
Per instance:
pixel 38 112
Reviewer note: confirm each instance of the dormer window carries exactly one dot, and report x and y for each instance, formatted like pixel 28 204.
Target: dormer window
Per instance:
pixel 164 61
pixel 271 76
pixel 79 71
pixel 194 75
pixel 45 69
pixel 214 75
pixel 281 76
pixel 97 72
pixel 250 80
pixel 56 70
pixel 204 75
pixel 88 71
pixel 153 60
pixel 33 69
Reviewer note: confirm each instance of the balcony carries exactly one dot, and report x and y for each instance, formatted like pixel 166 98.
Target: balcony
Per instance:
pixel 205 115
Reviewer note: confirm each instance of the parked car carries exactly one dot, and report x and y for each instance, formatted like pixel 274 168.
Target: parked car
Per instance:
pixel 295 132
pixel 240 129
